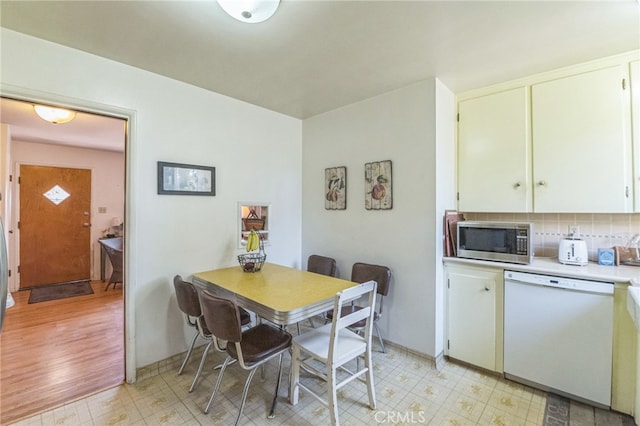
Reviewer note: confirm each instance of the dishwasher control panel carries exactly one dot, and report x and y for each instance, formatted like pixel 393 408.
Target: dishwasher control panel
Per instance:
pixel 560 282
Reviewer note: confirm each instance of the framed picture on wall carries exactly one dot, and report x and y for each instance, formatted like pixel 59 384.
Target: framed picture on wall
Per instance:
pixel 186 179
pixel 377 185
pixel 335 188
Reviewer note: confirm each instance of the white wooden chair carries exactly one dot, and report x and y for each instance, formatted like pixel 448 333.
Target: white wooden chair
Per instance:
pixel 334 345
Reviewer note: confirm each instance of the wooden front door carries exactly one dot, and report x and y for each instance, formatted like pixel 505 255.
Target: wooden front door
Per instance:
pixel 55 225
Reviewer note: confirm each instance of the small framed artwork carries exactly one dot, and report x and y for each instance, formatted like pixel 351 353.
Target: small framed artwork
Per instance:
pixel 335 188
pixel 186 179
pixel 377 186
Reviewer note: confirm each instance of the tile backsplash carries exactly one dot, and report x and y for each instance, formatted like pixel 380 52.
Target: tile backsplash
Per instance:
pixel 598 230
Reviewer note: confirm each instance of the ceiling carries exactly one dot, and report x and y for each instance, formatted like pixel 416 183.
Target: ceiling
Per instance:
pixel 85 130
pixel 316 56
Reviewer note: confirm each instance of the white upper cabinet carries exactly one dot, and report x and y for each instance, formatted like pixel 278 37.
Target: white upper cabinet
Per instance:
pixel 493 153
pixel 581 143
pixel 558 142
pixel 634 76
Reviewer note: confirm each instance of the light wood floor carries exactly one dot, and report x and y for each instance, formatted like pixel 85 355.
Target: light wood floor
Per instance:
pixel 58 351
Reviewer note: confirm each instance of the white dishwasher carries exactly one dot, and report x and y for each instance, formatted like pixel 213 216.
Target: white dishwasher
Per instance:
pixel 558 335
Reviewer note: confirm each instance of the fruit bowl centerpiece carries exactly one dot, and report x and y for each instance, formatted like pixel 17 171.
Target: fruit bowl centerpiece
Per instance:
pixel 252 261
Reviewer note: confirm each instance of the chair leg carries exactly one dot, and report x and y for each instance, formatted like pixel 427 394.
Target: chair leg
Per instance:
pixel 379 337
pixel 215 389
pixel 294 389
pixel 244 393
pixel 186 358
pixel 371 390
pixel 332 396
pixel 202 360
pixel 272 412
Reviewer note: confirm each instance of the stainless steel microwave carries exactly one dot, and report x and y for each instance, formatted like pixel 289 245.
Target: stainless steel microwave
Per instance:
pixel 498 241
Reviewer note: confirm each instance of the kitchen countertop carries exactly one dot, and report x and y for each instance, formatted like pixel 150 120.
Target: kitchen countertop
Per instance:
pixel 551 266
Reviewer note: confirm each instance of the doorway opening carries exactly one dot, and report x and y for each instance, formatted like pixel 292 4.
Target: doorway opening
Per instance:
pixel 78 149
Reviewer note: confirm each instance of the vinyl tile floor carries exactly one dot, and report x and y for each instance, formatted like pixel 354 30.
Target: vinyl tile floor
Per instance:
pixel 409 390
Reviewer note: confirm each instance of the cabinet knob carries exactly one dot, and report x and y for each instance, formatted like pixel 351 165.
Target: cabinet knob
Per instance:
pixel 486 288
pixel 517 185
pixel 542 183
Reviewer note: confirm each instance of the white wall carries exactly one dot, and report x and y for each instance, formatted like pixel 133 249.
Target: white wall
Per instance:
pixel 399 126
pixel 107 183
pixel 256 153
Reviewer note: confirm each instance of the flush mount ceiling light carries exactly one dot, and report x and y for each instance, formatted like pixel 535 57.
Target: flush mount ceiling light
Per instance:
pixel 250 11
pixel 54 115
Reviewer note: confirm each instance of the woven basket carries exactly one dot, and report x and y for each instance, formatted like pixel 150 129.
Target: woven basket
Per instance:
pixel 252 221
pixel 255 224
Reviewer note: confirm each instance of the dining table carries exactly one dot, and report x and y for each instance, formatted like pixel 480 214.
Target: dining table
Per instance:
pixel 280 294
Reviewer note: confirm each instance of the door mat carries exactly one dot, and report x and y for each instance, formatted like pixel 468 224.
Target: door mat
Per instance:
pixel 60 291
pixel 556 412
pixel 563 411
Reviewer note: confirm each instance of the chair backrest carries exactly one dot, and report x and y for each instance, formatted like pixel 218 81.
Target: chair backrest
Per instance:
pixel 113 243
pixel 187 295
pixel 113 247
pixel 343 318
pixel 322 265
pixel 363 272
pixel 115 257
pixel 222 317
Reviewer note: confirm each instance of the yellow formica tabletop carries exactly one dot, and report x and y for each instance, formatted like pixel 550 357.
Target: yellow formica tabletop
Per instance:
pixel 277 293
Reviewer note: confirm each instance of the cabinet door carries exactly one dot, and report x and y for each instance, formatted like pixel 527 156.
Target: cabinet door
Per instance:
pixel 581 145
pixel 634 77
pixel 471 315
pixel 493 153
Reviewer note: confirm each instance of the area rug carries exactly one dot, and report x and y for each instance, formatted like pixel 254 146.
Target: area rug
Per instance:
pixel 556 412
pixel 561 411
pixel 60 291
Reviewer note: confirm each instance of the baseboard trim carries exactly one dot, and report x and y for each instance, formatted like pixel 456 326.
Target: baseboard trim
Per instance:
pixel 173 362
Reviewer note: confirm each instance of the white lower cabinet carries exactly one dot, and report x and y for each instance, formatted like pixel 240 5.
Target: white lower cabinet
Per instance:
pixel 475 324
pixel 474 315
pixel 626 359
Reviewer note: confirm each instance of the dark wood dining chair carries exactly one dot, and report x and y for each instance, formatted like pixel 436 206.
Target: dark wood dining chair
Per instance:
pixel 321 265
pixel 363 272
pixel 188 298
pixel 250 348
pixel 113 248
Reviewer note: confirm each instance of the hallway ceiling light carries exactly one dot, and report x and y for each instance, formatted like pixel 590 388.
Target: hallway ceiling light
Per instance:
pixel 54 115
pixel 250 11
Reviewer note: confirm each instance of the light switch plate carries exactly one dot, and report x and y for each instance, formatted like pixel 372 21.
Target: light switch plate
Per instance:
pixel 102 209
